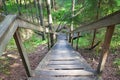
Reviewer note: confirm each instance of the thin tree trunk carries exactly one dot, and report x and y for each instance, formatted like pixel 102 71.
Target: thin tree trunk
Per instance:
pixel 52 4
pixel 97 17
pixel 71 26
pixel 40 10
pixel 50 20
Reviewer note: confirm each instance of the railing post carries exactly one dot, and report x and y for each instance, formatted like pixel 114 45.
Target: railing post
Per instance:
pixel 48 41
pixel 77 41
pixel 22 53
pixel 105 48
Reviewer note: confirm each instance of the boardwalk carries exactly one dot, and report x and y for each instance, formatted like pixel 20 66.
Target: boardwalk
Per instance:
pixel 62 62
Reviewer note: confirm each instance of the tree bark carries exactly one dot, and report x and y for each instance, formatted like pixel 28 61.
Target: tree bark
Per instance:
pixel 40 10
pixel 71 26
pixel 48 3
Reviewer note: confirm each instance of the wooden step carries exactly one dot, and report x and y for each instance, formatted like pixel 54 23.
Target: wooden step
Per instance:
pixel 66 78
pixel 65 67
pixel 64 73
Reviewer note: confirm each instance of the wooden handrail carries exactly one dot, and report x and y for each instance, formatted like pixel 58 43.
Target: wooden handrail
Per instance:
pixel 7 29
pixel 6 23
pixel 111 19
pixel 9 26
pixel 29 25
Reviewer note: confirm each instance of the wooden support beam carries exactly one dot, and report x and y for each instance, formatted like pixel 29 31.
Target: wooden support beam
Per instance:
pixel 28 25
pixel 22 53
pixel 48 41
pixel 6 23
pixel 105 48
pixel 7 29
pixel 77 41
pixel 7 36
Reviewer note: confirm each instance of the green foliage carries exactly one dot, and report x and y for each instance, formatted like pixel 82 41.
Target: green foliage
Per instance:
pixel 4 67
pixel 115 43
pixel 33 42
pixel 117 62
pixel 11 45
pixel 29 44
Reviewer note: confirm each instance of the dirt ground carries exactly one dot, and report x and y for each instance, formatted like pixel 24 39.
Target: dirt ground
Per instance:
pixel 14 70
pixel 111 70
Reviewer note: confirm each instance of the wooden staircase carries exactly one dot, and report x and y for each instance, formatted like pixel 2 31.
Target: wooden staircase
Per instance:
pixel 62 62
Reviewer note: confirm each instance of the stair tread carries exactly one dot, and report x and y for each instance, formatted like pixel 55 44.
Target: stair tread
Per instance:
pixel 66 78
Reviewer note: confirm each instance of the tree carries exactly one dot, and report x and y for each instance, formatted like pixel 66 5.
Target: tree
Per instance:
pixel 72 15
pixel 48 3
pixel 97 17
pixel 40 10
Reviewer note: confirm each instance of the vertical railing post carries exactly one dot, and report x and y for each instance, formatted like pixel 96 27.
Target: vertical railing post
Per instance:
pixel 77 41
pixel 105 48
pixel 22 53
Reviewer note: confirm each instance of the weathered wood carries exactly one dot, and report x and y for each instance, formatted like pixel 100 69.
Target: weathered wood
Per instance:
pixel 6 23
pixel 25 24
pixel 22 53
pixel 111 19
pixel 105 48
pixel 66 67
pixel 64 73
pixel 66 78
pixel 64 62
pixel 48 42
pixel 29 25
pixel 77 41
pixel 7 29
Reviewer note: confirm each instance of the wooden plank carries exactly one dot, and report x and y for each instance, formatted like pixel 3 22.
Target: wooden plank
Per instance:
pixel 64 73
pixel 22 53
pixel 6 23
pixel 44 62
pixel 63 59
pixel 105 48
pixel 28 25
pixel 63 55
pixel 25 24
pixel 67 78
pixel 66 67
pixel 64 62
pixel 7 35
pixel 111 19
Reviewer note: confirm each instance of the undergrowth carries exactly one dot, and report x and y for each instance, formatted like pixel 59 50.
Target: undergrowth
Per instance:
pixel 29 44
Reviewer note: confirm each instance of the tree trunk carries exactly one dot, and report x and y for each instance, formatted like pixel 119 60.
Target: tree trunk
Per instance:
pixel 97 17
pixel 1 4
pixel 50 20
pixel 71 26
pixel 40 10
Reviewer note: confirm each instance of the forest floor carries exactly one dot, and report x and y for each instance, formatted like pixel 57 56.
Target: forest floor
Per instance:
pixel 12 68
